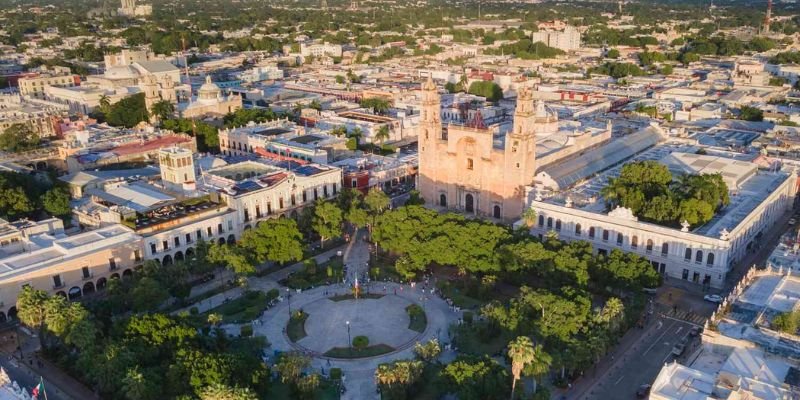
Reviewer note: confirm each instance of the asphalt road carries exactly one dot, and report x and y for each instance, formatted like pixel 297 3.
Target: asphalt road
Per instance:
pixel 641 363
pixel 26 378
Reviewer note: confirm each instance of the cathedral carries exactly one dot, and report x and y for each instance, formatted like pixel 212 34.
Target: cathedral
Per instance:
pixel 470 169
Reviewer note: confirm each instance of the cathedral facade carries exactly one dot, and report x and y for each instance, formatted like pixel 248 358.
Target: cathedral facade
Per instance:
pixel 472 170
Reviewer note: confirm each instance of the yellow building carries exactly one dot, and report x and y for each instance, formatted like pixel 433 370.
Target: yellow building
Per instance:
pixel 69 266
pixel 34 85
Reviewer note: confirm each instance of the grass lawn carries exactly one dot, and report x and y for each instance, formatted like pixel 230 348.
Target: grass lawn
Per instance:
pixel 243 309
pixel 369 351
pixel 418 321
pixel 296 328
pixel 343 297
pixel 316 275
pixel 283 391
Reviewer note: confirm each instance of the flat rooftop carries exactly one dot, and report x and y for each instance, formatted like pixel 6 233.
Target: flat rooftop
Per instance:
pixel 751 193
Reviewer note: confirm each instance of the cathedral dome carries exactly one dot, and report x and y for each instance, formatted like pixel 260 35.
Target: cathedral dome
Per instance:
pixel 209 90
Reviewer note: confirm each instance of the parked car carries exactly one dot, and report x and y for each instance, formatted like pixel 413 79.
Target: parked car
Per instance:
pixel 792 221
pixel 714 298
pixel 643 391
pixel 695 331
pixel 679 349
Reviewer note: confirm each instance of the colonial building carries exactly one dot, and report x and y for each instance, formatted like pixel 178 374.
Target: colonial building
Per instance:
pixel 210 101
pixel 469 168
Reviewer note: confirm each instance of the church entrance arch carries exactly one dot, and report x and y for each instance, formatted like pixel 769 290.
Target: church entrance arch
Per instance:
pixel 469 203
pixel 443 200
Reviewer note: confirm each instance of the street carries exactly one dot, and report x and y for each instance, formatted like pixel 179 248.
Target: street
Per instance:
pixel 641 363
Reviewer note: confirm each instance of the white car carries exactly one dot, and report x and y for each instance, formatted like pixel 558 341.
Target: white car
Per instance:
pixel 714 298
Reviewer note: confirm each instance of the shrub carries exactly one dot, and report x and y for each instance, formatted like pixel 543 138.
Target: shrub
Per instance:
pixel 273 294
pixel 194 311
pixel 787 322
pixel 310 266
pixel 336 374
pixel 468 317
pixel 360 342
pixel 246 330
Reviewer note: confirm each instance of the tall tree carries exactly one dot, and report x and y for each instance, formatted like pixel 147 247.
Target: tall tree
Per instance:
pixel 539 366
pixel 277 240
pixel 162 110
pixel 520 351
pixel 327 221
pixel 18 138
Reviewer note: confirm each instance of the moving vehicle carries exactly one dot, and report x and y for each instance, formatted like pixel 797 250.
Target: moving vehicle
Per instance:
pixel 714 298
pixel 679 349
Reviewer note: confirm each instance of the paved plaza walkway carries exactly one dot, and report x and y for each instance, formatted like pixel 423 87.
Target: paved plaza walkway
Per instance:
pixel 382 320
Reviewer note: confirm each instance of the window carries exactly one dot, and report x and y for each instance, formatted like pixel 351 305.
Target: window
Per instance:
pixel 188 238
pixel 687 255
pixel 550 222
pixel 246 215
pixel 57 281
pixel 316 196
pixel 558 225
pixel 353 183
pixel 292 199
pixel 137 255
pixel 305 196
pixel 664 249
pixel 325 190
pixel 605 235
pixel 219 229
pixel 334 188
pixel 591 232
pixel 470 164
pixel 165 245
pixel 280 202
pixel 619 239
pixel 649 247
pixel 541 220
pixel 153 248
pixel 698 256
pixel 208 231
pixel 177 241
pixel 112 264
pixel 230 224
pixel 685 275
pixel 86 273
pixel 577 229
pixel 710 259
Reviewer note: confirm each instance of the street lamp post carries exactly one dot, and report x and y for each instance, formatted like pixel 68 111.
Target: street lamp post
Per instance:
pixel 289 299
pixel 349 342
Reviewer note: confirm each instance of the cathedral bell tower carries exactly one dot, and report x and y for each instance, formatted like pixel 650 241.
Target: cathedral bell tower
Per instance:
pixel 151 96
pixel 429 136
pixel 520 152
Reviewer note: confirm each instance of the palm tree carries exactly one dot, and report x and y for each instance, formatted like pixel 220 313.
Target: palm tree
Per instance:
pixel 520 350
pixel 357 134
pixel 529 216
pixel 382 134
pixel 539 366
pixel 462 83
pixel 214 319
pixel 105 104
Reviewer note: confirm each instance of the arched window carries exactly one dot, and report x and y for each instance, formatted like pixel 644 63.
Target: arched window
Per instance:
pixel 634 241
pixel 578 229
pixel 558 224
pixel 541 220
pixel 698 257
pixel 550 222
pixel 688 254
pixel 591 232
pixel 605 235
pixel 619 239
pixel 664 249
pixel 649 247
pixel 710 259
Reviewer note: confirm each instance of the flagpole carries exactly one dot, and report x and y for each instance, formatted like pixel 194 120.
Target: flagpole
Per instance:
pixel 44 390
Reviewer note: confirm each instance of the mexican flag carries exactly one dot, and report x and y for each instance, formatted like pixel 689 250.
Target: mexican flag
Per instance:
pixel 38 389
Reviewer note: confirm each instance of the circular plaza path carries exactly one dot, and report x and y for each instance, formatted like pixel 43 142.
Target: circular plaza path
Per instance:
pixel 383 321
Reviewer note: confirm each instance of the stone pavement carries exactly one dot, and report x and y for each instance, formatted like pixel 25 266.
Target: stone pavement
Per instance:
pixel 359 381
